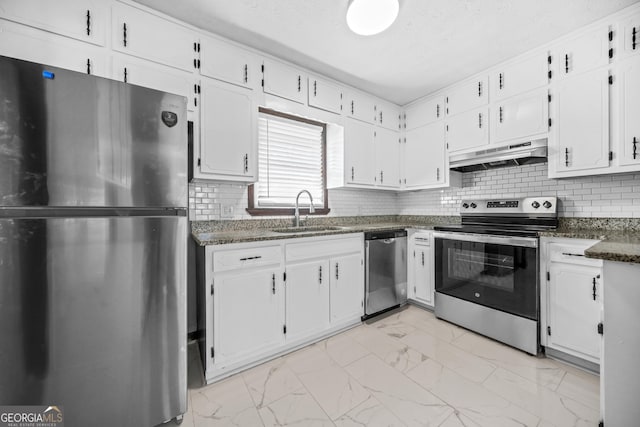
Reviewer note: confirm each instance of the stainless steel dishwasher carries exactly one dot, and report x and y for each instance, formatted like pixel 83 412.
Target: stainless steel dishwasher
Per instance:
pixel 386 271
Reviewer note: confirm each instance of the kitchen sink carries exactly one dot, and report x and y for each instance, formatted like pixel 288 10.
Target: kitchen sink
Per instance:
pixel 312 229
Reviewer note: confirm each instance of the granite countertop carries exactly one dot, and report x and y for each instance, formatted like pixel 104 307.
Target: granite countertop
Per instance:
pixel 223 232
pixel 619 237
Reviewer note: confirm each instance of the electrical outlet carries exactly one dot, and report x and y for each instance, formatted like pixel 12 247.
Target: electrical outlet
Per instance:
pixel 226 211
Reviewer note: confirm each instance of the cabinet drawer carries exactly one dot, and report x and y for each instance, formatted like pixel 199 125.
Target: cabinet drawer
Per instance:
pixel 246 257
pixel 572 254
pixel 323 248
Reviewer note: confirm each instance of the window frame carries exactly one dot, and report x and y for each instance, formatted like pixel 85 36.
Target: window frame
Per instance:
pixel 253 210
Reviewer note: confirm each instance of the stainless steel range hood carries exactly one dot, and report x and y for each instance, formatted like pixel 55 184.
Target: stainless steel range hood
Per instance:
pixel 510 155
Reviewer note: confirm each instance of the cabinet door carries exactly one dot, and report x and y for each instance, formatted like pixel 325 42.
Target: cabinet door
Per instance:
pixel 284 81
pixel 248 314
pixel 361 107
pixel 143 73
pixel 423 112
pixel 80 19
pixel 583 53
pixel 468 130
pixel 521 117
pixel 574 147
pixel 228 131
pixel 630 28
pixel 628 79
pixel 425 157
pixel 422 269
pixel 226 62
pixel 325 95
pixel 467 96
pixel 307 304
pixel 29 44
pixel 347 288
pixel 136 32
pixel 520 76
pixel 359 156
pixel 387 145
pixel 387 115
pixel 574 311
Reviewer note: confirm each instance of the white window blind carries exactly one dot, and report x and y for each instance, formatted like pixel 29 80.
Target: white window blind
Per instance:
pixel 290 160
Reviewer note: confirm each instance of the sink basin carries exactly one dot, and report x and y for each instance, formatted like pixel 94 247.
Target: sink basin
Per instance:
pixel 313 229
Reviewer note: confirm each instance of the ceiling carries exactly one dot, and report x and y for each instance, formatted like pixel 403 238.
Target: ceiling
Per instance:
pixel 432 44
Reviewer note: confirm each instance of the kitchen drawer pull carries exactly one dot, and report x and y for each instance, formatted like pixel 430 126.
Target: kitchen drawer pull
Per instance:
pixel 251 257
pixel 566 63
pixel 124 34
pixel 633 38
pixel 570 254
pixel 501 81
pixel 480 120
pixel 337 271
pixel 500 114
pixel 89 22
pixel 299 83
pixel 273 283
pixel 635 148
pixel 479 89
pixel 320 274
pixel 594 288
pixel 315 87
pixel 246 73
pixel 566 157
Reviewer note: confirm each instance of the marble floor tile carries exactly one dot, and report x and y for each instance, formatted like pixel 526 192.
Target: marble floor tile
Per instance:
pixel 471 400
pixel 539 400
pixel 294 409
pixel 582 387
pixel 226 403
pixel 370 413
pixel 464 363
pixel 546 372
pixel 411 403
pixel 343 349
pixel 335 391
pixel 394 352
pixel 270 381
pixel 458 419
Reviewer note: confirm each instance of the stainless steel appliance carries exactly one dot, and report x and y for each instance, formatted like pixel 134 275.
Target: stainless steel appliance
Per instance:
pixel 486 269
pixel 524 153
pixel 93 235
pixel 385 271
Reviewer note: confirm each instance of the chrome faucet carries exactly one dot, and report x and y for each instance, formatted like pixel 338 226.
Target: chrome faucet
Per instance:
pixel 297 211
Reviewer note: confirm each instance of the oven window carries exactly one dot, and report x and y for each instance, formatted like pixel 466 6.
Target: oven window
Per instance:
pixel 498 276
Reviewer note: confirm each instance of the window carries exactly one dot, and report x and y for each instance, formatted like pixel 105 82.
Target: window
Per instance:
pixel 291 158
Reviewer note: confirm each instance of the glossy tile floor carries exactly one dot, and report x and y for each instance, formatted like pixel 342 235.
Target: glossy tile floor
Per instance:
pixel 408 369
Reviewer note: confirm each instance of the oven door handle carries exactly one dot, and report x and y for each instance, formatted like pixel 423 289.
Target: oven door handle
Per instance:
pixel 527 242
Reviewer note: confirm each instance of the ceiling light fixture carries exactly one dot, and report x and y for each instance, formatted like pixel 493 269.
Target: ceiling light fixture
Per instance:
pixel 369 17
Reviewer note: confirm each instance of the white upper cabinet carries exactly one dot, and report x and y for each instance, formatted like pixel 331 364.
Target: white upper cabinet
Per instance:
pixel 361 106
pixel 469 95
pixel 425 157
pixel 29 44
pixel 580 54
pixel 387 146
pixel 630 32
pixel 359 153
pixel 229 129
pixel 387 115
pixel 167 79
pixel 136 32
pixel 285 81
pixel 520 76
pixel 627 81
pixel 423 112
pixel 521 118
pixel 579 135
pixel 325 95
pixel 224 61
pixel 80 19
pixel 468 130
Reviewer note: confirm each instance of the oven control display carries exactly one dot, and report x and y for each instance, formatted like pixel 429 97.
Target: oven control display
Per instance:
pixel 503 204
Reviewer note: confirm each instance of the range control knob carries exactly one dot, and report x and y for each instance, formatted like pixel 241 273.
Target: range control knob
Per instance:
pixel 465 205
pixel 473 205
pixel 547 204
pixel 535 205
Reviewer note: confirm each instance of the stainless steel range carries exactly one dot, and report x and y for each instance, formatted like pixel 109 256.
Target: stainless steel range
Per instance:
pixel 486 269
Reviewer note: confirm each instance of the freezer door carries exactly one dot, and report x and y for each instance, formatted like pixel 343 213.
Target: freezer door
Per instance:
pixel 71 139
pixel 93 317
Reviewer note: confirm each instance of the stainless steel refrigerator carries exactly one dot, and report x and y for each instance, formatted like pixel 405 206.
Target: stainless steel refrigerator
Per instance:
pixel 93 241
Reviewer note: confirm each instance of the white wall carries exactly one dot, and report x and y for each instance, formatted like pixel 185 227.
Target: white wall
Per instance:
pixel 598 196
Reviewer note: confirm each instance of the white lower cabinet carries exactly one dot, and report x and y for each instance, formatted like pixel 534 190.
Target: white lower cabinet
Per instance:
pixel 266 298
pixel 573 299
pixel 420 272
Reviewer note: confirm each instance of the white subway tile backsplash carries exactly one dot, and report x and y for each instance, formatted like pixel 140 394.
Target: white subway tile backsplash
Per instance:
pixel 608 196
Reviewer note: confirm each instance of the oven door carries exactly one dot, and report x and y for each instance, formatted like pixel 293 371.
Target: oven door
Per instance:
pixel 499 272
